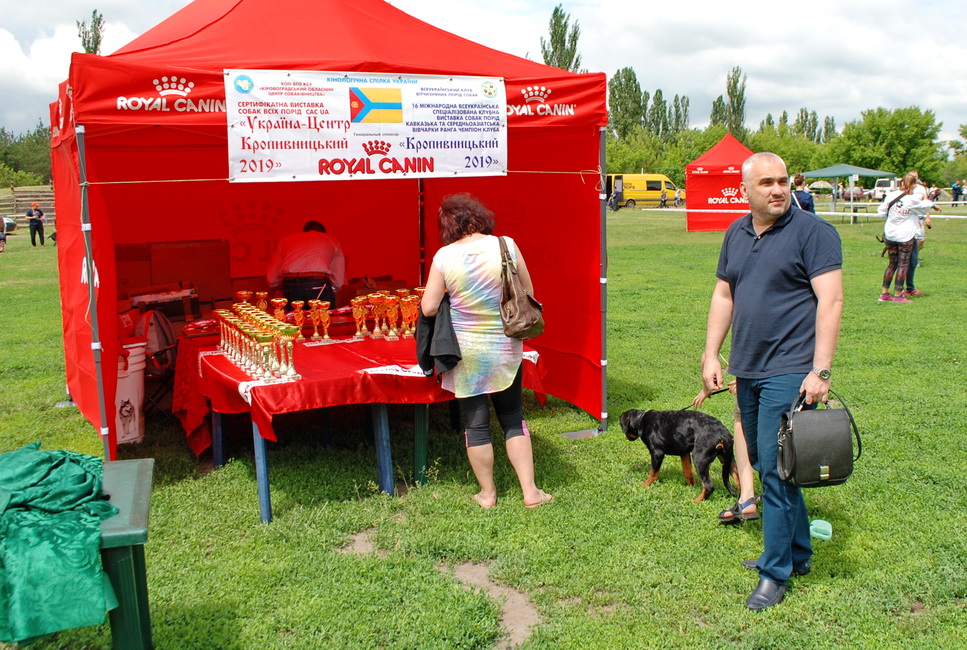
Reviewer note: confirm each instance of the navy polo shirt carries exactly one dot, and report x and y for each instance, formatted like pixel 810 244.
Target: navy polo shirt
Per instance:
pixel 773 304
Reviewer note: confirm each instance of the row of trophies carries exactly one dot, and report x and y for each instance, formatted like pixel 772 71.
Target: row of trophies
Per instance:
pixel 262 344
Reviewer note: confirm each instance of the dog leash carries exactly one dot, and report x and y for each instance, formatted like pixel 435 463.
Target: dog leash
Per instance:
pixel 712 394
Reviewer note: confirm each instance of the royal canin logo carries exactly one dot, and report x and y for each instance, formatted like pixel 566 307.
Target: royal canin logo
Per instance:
pixel 367 165
pixel 535 104
pixel 729 195
pixel 699 170
pixel 172 96
pixel 536 93
pixel 731 169
pixel 376 147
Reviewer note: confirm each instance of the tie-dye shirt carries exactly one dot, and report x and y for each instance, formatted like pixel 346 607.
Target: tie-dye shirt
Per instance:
pixel 471 272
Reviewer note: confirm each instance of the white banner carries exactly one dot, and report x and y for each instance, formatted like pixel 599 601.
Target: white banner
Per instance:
pixel 307 125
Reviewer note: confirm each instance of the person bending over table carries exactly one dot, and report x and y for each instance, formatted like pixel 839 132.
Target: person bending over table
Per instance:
pixel 468 267
pixel 308 265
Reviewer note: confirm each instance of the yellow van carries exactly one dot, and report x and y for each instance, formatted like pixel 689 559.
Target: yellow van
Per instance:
pixel 642 189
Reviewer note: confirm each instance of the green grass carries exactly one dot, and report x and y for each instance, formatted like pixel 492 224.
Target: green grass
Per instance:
pixel 610 564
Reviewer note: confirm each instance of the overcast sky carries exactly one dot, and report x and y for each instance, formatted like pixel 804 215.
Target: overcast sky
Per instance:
pixel 837 57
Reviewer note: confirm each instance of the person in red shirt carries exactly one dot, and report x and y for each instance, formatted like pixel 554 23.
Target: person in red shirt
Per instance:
pixel 308 265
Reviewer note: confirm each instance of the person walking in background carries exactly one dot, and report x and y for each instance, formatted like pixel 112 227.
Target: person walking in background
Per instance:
pixel 308 265
pixel 468 266
pixel 35 221
pixel 955 192
pixel 664 199
pixel 780 291
pixel 902 210
pixel 803 198
pixel 678 197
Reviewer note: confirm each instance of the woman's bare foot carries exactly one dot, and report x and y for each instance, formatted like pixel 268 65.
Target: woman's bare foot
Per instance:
pixel 485 502
pixel 541 498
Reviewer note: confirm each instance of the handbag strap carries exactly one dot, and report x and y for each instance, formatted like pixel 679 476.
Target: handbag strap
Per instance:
pixel 505 258
pixel 800 401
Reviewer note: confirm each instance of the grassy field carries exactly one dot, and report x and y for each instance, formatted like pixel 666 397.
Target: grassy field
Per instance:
pixel 610 563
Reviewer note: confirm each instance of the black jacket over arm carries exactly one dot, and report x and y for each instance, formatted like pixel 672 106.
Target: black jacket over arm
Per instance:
pixel 436 343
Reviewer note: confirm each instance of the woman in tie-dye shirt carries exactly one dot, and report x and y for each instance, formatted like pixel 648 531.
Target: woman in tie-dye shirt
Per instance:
pixel 468 267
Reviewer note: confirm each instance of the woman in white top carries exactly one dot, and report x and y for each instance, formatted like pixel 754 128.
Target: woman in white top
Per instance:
pixel 902 211
pixel 468 267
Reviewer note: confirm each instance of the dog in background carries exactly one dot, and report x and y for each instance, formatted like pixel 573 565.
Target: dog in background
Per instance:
pixel 688 434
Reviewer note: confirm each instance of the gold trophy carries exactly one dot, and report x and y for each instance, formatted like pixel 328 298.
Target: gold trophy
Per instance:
pixel 315 317
pixel 408 307
pixel 289 334
pixel 392 305
pixel 359 316
pixel 419 294
pixel 298 315
pixel 261 298
pixel 377 301
pixel 325 318
pixel 278 307
pixel 243 296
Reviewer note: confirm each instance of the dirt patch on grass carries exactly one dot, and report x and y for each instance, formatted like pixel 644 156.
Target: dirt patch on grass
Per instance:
pixel 517 614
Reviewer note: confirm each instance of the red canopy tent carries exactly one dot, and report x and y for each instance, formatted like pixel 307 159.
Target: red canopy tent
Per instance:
pixel 712 183
pixel 125 173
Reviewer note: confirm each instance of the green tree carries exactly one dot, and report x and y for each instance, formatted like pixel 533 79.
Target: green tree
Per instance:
pixel 657 118
pixel 679 118
pixel 829 130
pixel 91 35
pixel 29 152
pixel 720 113
pixel 625 109
pixel 735 106
pixel 561 48
pixel 893 140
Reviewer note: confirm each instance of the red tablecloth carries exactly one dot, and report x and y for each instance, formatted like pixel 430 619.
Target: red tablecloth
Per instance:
pixel 332 375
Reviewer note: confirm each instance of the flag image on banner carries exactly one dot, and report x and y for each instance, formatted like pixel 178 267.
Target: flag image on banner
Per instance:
pixel 376 105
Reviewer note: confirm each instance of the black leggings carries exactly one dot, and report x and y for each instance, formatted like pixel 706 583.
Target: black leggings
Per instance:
pixel 507 406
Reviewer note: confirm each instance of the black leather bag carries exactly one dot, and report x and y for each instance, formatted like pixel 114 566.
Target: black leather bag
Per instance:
pixel 519 311
pixel 816 446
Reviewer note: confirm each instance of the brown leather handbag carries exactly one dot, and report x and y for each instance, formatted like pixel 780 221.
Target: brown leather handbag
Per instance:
pixel 520 311
pixel 816 446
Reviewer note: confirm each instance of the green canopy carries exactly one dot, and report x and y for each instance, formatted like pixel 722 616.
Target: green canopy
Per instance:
pixel 845 170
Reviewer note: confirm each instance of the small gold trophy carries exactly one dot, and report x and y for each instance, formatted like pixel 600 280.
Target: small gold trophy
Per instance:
pixel 325 318
pixel 408 307
pixel 359 316
pixel 278 307
pixel 392 304
pixel 377 301
pixel 316 317
pixel 243 296
pixel 298 315
pixel 261 298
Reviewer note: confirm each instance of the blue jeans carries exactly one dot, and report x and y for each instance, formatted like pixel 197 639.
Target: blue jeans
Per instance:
pixel 785 522
pixel 914 260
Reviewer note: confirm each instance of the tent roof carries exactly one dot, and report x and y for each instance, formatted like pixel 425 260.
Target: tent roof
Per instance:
pixel 845 170
pixel 728 151
pixel 363 35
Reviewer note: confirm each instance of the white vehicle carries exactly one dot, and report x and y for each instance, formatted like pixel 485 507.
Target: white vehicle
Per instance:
pixel 884 186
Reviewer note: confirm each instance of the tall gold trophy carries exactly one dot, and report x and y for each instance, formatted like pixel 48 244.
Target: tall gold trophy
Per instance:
pixel 298 315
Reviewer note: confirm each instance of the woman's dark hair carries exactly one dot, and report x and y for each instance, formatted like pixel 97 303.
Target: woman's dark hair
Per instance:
pixel 461 215
pixel 798 180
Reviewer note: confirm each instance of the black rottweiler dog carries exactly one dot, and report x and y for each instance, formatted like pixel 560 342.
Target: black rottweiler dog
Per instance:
pixel 684 433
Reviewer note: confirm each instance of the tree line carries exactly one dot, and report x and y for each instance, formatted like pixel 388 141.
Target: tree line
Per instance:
pixel 648 133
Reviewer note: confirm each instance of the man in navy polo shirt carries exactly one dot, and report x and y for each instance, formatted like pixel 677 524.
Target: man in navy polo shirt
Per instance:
pixel 780 290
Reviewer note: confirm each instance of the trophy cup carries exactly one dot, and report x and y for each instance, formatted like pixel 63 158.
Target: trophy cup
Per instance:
pixel 278 306
pixel 324 318
pixel 298 315
pixel 392 305
pixel 419 294
pixel 408 307
pixel 243 296
pixel 261 298
pixel 359 316
pixel 377 301
pixel 289 334
pixel 316 317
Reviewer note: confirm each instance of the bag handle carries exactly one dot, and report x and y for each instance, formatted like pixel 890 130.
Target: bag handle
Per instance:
pixel 800 402
pixel 505 258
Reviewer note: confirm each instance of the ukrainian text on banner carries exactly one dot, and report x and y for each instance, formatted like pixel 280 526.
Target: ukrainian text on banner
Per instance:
pixel 307 125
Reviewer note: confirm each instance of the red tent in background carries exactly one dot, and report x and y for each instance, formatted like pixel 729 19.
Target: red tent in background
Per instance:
pixel 141 175
pixel 712 183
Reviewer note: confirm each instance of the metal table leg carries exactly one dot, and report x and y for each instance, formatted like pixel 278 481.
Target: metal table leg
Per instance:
pixel 384 455
pixel 218 440
pixel 262 475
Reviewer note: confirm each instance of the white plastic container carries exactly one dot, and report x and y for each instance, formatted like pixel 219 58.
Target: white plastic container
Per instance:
pixel 129 401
